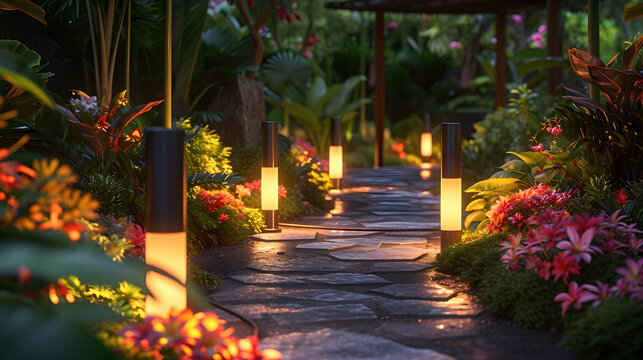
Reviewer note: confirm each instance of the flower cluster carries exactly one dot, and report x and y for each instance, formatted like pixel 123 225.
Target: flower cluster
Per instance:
pixel 187 335
pixel 217 200
pixel 41 197
pixel 538 37
pixel 398 148
pixel 512 211
pixel 557 246
pixel 135 234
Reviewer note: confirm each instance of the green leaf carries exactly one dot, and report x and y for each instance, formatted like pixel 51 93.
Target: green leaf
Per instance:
pixel 490 184
pixel 541 63
pixel 205 179
pixel 504 190
pixel 26 7
pixel 473 217
pixel 531 158
pixel 15 70
pixel 477 204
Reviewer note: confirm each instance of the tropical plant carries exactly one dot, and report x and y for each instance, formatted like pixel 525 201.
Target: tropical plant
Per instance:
pixel 610 135
pixel 313 108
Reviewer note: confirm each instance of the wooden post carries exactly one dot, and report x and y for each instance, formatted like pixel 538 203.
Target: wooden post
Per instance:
pixel 501 60
pixel 167 108
pixel 593 40
pixel 380 90
pixel 554 44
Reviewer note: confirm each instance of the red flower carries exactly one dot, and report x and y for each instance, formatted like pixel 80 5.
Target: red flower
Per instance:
pixel 223 218
pixel 102 123
pixel 564 266
pixel 312 40
pixel 136 236
pixel 620 198
pixel 297 16
pixel 282 192
pixel 24 275
pixel 577 296
pixel 282 13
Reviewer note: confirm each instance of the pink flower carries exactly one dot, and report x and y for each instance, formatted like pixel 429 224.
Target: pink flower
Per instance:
pixel 579 246
pixel 601 292
pixel 576 297
pixel 516 19
pixel 537 148
pixel 564 266
pixel 391 26
pixel 542 28
pixel 455 45
pixel 632 273
pixel 513 243
pixel 223 217
pixel 307 53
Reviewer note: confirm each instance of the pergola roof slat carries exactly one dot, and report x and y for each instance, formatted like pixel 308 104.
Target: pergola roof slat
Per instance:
pixel 440 6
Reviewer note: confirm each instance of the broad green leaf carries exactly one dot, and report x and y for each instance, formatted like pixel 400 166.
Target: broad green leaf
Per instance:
pixel 516 165
pixel 477 204
pixel 473 217
pixel 541 63
pixel 508 174
pixel 503 190
pixel 483 225
pixel 531 158
pixel 490 184
pixel 26 6
pixel 17 72
pixel 303 115
pixel 316 92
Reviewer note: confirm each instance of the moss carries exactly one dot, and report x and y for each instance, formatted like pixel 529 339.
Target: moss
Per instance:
pixel 473 256
pixel 611 331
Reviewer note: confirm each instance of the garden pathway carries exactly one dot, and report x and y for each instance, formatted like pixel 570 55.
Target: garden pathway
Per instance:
pixel 323 294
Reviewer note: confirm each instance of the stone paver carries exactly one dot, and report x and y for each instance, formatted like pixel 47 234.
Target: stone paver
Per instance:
pixel 403 225
pixel 430 308
pixel 328 295
pixel 430 329
pixel 393 267
pixel 380 254
pixel 285 236
pixel 417 291
pixel 326 245
pixel 347 279
pixel 266 279
pixel 333 344
pixel 342 312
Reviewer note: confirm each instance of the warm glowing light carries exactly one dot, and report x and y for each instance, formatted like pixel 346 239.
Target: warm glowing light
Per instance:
pixel 166 251
pixel 425 165
pixel 425 174
pixel 336 162
pixel 269 188
pixel 451 204
pixel 426 144
pixel 441 326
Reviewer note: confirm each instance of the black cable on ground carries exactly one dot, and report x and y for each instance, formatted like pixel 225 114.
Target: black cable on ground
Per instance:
pixel 252 324
pixel 320 227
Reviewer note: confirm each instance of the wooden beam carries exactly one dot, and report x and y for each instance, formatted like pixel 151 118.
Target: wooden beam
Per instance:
pixel 501 60
pixel 593 40
pixel 380 90
pixel 554 44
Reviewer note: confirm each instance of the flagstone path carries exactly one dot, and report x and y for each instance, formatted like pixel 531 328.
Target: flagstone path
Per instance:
pixel 332 294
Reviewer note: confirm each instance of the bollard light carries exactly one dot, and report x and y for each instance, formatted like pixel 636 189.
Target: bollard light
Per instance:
pixel 270 176
pixel 451 185
pixel 165 240
pixel 336 153
pixel 426 139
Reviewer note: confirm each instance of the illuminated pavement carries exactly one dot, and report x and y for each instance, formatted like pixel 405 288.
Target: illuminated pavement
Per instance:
pixel 324 294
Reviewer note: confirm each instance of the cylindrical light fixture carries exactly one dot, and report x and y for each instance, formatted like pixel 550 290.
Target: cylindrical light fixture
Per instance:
pixel 451 185
pixel 165 240
pixel 270 176
pixel 336 153
pixel 426 140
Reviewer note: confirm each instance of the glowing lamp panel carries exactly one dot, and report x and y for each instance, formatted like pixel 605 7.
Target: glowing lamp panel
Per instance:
pixel 269 188
pixel 426 144
pixel 336 162
pixel 166 251
pixel 451 204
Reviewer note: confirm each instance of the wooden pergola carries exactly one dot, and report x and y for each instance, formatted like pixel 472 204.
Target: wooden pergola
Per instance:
pixel 498 7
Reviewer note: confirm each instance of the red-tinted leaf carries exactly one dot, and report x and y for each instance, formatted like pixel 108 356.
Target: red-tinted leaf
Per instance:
pixel 610 81
pixel 631 51
pixel 580 60
pixel 583 101
pixel 117 126
pixel 613 59
pixel 66 113
pixel 90 136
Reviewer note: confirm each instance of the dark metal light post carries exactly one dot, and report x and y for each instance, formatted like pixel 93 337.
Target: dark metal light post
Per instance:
pixel 451 185
pixel 270 176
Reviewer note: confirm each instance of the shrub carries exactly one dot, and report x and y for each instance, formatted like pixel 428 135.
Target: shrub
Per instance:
pixel 610 331
pixel 217 217
pixel 114 197
pixel 204 152
pixel 457 259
